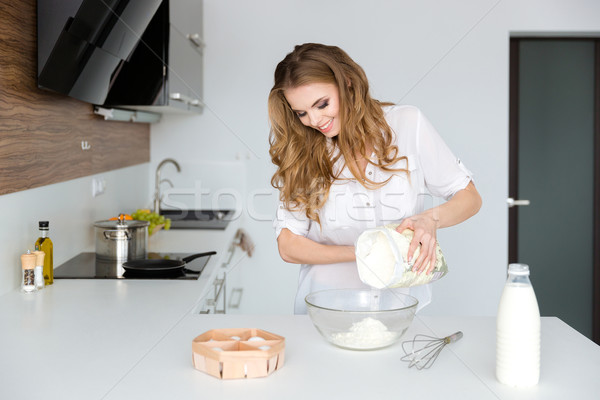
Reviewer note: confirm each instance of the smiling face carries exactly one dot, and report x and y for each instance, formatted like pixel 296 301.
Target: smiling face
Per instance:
pixel 317 105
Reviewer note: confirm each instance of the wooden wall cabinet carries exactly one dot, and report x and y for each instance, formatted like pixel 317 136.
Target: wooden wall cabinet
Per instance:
pixel 41 132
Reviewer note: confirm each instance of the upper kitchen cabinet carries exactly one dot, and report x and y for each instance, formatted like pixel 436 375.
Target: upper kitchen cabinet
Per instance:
pixel 186 54
pixel 186 16
pixel 165 71
pixel 139 54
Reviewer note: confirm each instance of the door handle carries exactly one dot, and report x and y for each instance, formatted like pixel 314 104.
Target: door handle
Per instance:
pixel 512 202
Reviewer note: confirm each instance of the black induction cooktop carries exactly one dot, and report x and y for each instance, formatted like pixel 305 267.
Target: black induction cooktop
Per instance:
pixel 88 266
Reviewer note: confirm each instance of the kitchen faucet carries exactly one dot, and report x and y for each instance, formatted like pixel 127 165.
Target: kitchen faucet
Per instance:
pixel 157 195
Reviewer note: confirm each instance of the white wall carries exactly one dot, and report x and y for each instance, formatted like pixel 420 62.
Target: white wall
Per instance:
pixel 448 58
pixel 71 210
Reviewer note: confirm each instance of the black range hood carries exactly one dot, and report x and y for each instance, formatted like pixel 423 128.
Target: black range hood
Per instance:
pixel 103 51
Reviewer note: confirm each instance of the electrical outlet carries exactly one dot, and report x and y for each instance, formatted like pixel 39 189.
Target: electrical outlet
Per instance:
pixel 98 186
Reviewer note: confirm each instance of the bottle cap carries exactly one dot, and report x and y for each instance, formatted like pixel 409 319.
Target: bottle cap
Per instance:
pixel 28 261
pixel 518 269
pixel 39 257
pixel 44 224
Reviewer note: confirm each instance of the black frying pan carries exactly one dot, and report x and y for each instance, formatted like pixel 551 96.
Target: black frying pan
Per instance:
pixel 162 266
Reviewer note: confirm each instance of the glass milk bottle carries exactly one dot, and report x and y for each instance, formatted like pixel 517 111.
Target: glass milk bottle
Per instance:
pixel 518 331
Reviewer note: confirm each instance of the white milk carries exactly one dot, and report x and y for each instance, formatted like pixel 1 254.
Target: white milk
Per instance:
pixel 518 334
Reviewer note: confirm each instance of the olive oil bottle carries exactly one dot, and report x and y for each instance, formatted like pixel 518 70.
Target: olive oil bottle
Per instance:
pixel 45 244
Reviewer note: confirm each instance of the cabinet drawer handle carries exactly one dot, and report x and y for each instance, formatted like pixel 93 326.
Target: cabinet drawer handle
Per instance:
pixel 219 290
pixel 236 298
pixel 195 103
pixel 186 99
pixel 177 97
pixel 195 39
pixel 219 284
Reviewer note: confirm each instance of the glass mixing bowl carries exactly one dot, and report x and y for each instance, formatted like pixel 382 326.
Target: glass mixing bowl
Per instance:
pixel 361 319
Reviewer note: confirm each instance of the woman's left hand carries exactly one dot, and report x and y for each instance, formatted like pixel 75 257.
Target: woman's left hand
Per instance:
pixel 424 227
pixel 464 204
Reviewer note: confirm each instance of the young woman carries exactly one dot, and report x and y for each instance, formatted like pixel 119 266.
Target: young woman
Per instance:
pixel 347 162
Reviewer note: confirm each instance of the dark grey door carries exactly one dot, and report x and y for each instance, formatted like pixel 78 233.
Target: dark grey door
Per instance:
pixel 554 168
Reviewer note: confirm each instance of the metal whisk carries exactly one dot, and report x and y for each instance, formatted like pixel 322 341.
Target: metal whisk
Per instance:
pixel 423 350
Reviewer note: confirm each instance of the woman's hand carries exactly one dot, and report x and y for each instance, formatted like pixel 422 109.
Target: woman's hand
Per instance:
pixel 464 204
pixel 424 227
pixel 297 249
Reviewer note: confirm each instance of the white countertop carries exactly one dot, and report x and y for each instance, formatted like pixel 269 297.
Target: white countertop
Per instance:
pixel 314 369
pixel 77 338
pixel 116 339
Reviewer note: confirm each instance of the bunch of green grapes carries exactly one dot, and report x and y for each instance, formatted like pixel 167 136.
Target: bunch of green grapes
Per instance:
pixel 152 217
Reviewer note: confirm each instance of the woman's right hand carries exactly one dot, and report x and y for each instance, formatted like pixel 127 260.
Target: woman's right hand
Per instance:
pixel 297 249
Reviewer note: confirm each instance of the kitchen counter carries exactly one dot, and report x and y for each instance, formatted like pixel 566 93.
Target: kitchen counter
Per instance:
pixel 115 339
pixel 315 369
pixel 77 338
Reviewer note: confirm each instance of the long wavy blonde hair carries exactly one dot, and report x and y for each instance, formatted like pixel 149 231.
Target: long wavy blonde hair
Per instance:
pixel 303 158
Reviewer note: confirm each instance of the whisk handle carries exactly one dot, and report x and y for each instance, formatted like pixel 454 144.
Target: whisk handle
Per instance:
pixel 454 337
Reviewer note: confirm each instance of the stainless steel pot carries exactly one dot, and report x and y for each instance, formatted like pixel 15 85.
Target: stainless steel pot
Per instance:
pixel 121 240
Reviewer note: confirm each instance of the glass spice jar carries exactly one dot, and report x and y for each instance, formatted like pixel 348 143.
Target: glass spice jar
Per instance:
pixel 39 269
pixel 28 276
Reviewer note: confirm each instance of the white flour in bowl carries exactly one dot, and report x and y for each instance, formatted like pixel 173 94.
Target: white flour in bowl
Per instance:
pixel 368 333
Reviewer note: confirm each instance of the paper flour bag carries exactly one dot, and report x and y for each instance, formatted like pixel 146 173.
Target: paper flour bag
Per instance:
pixel 381 255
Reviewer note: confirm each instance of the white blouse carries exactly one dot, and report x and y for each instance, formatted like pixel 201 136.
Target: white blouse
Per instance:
pixel 351 208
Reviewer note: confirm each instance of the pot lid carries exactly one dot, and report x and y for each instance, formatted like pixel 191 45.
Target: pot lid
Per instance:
pixel 121 224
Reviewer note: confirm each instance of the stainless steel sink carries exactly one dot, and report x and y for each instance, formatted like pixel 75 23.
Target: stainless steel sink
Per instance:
pixel 198 219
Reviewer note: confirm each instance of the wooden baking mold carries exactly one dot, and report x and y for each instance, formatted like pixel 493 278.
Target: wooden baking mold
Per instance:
pixel 238 353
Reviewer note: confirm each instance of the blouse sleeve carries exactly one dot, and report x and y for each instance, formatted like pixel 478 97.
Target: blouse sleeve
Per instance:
pixel 444 173
pixel 296 221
